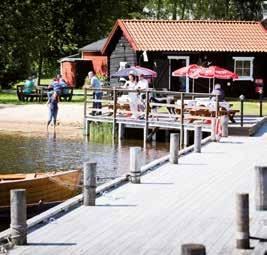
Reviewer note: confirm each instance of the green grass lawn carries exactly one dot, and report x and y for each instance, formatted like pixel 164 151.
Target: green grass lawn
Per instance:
pixel 251 107
pixel 8 98
pixel 12 98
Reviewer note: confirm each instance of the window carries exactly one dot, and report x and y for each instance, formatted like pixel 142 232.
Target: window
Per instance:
pixel 244 67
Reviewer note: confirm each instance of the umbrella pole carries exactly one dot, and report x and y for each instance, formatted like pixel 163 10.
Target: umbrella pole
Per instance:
pixel 209 85
pixel 193 85
pixel 213 83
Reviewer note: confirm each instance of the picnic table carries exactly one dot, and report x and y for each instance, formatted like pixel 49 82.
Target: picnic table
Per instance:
pixel 40 93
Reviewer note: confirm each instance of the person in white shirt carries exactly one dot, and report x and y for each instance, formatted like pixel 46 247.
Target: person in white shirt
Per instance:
pixel 131 84
pixel 142 85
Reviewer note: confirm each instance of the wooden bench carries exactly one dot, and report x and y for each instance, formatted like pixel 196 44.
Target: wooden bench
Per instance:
pixel 26 96
pixel 66 94
pixel 40 93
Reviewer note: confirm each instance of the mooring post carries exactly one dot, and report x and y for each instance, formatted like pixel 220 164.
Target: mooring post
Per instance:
pixel 197 139
pixel 121 131
pixel 114 113
pixel 242 98
pixel 261 187
pixel 146 117
pixel 261 97
pixel 89 183
pixel 85 121
pixel 174 148
pixel 135 166
pixel 193 249
pixel 242 221
pixel 186 137
pixel 86 127
pixel 224 123
pixel 18 216
pixel 182 122
pixel 213 129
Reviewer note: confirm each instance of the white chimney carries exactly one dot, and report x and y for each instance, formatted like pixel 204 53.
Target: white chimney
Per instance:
pixel 264 10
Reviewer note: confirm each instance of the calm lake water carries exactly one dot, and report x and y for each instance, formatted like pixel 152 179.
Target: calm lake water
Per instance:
pixel 20 153
pixel 27 153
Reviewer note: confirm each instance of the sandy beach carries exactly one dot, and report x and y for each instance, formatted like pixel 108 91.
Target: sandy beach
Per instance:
pixel 32 119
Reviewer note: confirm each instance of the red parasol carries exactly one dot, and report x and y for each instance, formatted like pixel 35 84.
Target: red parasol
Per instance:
pixel 194 71
pixel 213 72
pixel 189 71
pixel 217 72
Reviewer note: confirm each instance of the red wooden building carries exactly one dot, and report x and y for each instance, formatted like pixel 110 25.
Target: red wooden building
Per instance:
pixel 75 68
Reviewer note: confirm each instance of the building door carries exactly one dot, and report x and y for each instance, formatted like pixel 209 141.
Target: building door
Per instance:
pixel 82 69
pixel 178 83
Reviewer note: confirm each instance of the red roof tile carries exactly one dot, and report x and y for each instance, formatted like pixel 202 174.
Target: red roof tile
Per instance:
pixel 168 35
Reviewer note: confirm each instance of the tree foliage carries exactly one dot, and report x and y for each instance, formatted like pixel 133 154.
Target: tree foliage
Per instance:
pixel 34 34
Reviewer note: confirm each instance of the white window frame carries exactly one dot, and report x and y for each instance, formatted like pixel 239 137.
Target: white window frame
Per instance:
pixel 251 60
pixel 187 59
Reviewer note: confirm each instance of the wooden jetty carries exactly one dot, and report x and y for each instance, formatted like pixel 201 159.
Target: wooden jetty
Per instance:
pixel 189 202
pixel 175 114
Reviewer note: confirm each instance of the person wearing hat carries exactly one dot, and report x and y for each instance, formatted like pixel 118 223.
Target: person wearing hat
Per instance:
pixel 217 91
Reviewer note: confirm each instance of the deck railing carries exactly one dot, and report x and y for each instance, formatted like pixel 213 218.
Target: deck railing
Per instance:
pixel 170 105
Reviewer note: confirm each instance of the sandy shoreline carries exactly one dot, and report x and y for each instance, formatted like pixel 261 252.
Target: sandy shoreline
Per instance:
pixel 32 118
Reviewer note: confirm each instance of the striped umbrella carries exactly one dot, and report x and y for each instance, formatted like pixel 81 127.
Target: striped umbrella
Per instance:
pixel 135 70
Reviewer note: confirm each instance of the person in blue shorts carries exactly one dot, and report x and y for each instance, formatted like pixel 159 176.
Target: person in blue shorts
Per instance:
pixel 97 93
pixel 53 109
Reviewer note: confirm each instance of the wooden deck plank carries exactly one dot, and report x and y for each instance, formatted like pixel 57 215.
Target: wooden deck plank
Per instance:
pixel 190 202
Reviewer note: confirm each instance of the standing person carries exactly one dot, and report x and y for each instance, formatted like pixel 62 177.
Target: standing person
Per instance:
pixel 53 109
pixel 142 85
pixel 97 93
pixel 131 84
pixel 217 91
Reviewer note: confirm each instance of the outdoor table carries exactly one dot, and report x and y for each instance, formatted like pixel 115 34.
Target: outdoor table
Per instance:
pixel 42 90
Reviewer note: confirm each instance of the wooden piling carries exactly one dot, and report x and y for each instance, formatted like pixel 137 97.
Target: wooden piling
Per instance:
pixel 89 183
pixel 193 249
pixel 135 166
pixel 242 221
pixel 174 148
pixel 224 123
pixel 114 113
pixel 186 137
pixel 197 139
pixel 182 122
pixel 121 131
pixel 86 127
pixel 18 216
pixel 261 187
pixel 146 117
pixel 213 130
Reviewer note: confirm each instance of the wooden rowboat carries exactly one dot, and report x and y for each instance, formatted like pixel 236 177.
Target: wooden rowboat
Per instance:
pixel 41 188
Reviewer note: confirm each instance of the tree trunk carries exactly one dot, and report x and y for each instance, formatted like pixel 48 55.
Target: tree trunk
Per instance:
pixel 40 67
pixel 183 9
pixel 174 10
pixel 159 5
